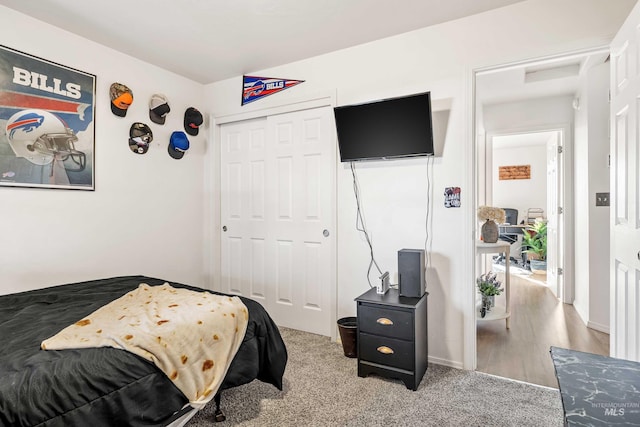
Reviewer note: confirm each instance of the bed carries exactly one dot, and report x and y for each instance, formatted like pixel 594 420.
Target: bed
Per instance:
pixel 106 386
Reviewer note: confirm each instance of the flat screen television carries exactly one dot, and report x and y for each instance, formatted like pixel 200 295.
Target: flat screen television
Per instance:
pixel 385 129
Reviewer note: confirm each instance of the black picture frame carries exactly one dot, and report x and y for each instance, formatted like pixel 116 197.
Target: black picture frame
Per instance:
pixel 47 123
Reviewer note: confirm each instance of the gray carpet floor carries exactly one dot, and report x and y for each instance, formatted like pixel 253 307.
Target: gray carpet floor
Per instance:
pixel 322 388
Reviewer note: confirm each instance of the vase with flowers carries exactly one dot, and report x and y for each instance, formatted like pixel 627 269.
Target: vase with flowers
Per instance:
pixel 489 286
pixel 491 217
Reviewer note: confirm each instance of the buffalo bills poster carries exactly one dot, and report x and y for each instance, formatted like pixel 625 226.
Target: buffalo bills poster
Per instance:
pixel 254 88
pixel 46 123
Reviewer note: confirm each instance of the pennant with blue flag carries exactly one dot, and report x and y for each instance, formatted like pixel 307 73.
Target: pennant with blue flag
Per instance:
pixel 254 87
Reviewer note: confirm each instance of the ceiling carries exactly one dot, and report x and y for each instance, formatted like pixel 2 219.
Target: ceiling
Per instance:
pixel 212 40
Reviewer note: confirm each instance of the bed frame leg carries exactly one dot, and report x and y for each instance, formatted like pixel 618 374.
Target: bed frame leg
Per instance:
pixel 218 415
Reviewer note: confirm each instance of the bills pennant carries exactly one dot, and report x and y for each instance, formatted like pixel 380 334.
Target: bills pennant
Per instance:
pixel 254 88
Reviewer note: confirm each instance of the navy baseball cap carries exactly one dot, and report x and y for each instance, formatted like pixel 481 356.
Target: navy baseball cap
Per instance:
pixel 178 144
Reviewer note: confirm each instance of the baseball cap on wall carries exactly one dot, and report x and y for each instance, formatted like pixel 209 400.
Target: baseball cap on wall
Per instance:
pixel 192 120
pixel 140 136
pixel 121 99
pixel 158 108
pixel 178 144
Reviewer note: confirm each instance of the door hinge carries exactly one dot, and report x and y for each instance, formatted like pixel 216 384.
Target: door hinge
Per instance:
pixel 560 210
pixel 560 149
pixel 560 271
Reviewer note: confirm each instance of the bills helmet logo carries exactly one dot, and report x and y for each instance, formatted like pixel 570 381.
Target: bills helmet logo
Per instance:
pixel 40 137
pixel 27 122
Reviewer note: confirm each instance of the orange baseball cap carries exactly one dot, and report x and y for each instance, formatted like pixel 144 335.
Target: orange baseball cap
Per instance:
pixel 121 99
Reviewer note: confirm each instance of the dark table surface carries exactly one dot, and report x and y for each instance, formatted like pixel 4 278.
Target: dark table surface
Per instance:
pixel 597 390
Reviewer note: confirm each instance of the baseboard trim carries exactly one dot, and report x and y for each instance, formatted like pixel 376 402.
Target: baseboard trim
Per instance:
pixel 598 327
pixel 517 381
pixel 581 313
pixel 445 362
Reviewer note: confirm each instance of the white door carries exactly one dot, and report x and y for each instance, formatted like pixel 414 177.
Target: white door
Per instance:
pixel 554 197
pixel 625 189
pixel 242 184
pixel 278 216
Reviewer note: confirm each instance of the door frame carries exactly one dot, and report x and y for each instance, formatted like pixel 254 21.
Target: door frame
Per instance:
pixel 477 149
pixel 212 203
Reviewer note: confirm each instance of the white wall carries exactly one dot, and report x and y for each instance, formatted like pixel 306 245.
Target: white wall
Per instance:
pixel 532 114
pixel 592 176
pixel 146 213
pixel 439 59
pixel 598 105
pixel 520 194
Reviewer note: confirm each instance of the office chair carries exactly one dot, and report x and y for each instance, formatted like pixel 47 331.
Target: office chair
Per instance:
pixel 509 234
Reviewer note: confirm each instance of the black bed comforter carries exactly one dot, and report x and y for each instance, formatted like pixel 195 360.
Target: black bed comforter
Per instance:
pixel 104 386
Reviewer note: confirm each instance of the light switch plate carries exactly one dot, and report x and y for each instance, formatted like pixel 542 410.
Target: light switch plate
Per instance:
pixel 602 199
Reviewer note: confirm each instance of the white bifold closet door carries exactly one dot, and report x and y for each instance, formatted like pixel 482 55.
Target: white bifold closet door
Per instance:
pixel 278 216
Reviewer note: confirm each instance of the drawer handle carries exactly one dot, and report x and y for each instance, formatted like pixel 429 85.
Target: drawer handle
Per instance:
pixel 385 350
pixel 384 321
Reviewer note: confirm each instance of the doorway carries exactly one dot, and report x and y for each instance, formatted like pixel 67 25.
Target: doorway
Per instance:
pixel 547 97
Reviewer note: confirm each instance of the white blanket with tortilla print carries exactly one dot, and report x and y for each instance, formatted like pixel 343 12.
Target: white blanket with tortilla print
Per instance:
pixel 191 336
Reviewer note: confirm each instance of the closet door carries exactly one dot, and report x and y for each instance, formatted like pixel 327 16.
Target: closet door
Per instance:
pixel 278 210
pixel 243 198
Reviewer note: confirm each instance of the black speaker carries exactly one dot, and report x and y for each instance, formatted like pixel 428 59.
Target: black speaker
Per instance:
pixel 411 281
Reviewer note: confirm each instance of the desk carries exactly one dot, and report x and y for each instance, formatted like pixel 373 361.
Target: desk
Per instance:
pixel 597 390
pixel 498 312
pixel 512 228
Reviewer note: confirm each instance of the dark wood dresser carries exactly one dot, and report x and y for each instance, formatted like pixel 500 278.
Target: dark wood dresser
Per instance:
pixel 392 336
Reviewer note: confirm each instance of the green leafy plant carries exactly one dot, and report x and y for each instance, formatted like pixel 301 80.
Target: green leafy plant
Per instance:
pixel 489 285
pixel 535 239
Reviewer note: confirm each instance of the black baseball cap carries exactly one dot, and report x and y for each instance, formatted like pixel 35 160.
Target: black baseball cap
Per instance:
pixel 192 120
pixel 158 108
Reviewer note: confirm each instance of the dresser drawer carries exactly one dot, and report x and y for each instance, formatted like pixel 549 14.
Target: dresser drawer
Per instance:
pixel 387 351
pixel 380 320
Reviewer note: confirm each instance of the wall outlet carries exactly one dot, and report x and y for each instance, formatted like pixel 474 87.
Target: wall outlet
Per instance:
pixel 602 199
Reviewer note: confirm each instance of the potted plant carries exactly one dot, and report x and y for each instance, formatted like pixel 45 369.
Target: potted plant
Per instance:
pixel 489 286
pixel 491 217
pixel 534 239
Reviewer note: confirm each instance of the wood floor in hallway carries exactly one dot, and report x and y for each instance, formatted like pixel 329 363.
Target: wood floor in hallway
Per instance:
pixel 538 321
